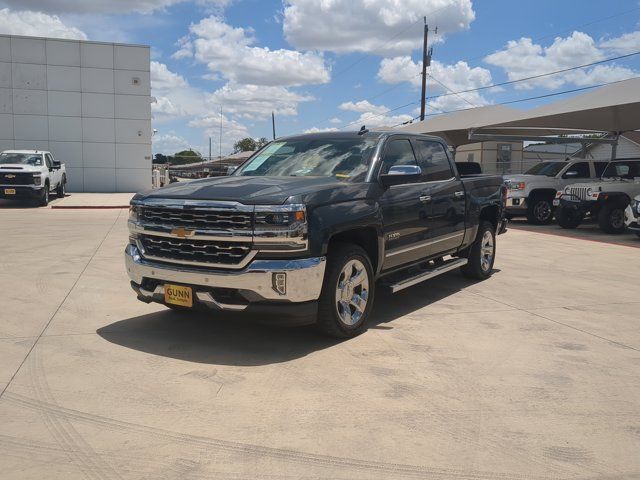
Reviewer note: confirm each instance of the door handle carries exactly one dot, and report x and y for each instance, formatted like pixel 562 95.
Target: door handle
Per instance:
pixel 458 194
pixel 425 198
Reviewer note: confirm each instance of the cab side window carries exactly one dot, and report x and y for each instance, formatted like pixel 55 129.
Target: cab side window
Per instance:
pixel 397 152
pixel 582 168
pixel 47 159
pixel 433 160
pixel 600 166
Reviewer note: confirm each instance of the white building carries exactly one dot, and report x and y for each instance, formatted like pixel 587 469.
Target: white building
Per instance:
pixel 88 103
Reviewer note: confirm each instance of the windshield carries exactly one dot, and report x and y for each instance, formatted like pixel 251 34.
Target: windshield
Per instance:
pixel 628 170
pixel 549 169
pixel 34 159
pixel 345 159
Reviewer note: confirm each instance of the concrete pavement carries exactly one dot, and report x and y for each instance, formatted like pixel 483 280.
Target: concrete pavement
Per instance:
pixel 534 373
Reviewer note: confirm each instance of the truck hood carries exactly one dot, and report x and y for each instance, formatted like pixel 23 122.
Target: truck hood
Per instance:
pixel 19 168
pixel 261 190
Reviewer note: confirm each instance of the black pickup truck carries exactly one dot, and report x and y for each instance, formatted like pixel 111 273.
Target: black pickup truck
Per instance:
pixel 309 226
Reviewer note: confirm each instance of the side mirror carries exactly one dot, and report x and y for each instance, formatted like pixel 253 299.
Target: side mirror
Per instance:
pixel 570 174
pixel 399 174
pixel 56 165
pixel 231 169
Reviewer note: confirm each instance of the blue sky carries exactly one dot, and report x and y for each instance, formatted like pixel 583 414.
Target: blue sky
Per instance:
pixel 338 64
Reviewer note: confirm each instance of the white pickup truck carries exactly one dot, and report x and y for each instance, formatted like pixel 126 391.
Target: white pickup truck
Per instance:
pixel 31 174
pixel 532 193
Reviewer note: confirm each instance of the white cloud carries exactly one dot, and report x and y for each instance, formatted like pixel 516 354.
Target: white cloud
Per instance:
pixel 363 106
pixel 372 115
pixel 232 130
pixel 36 24
pixel 106 6
pixel 335 120
pixel 174 96
pixel 457 77
pixel 319 130
pixel 523 58
pixel 230 51
pixel 372 26
pixel 624 44
pixel 169 143
pixel 256 102
pixel 163 78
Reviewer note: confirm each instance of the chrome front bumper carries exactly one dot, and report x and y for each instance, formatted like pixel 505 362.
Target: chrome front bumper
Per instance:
pixel 254 284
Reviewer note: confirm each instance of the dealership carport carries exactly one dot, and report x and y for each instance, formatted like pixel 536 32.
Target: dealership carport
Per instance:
pixel 612 109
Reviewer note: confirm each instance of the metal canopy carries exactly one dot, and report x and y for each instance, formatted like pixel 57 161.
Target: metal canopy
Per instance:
pixel 613 108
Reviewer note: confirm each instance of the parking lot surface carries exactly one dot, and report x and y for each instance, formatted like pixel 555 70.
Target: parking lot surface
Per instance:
pixel 534 373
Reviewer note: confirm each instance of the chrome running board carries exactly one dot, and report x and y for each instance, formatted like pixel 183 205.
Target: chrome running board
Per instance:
pixel 425 275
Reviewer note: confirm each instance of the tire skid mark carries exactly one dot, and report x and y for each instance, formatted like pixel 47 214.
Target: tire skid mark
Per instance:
pixel 77 449
pixel 397 469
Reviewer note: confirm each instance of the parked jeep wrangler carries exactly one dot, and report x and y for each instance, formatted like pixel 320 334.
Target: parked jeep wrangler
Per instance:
pixel 310 226
pixel 605 200
pixel 531 194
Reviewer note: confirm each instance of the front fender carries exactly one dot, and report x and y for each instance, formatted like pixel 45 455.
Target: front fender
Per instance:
pixel 328 220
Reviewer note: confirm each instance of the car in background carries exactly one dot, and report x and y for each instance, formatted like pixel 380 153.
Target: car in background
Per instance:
pixel 531 194
pixel 632 215
pixel 32 175
pixel 605 200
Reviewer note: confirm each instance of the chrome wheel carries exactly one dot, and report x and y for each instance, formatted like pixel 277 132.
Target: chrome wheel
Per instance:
pixel 542 211
pixel 352 292
pixel 487 251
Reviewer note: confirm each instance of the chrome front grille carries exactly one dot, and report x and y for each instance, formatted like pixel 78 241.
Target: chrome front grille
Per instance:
pixel 197 219
pixel 196 252
pixel 580 192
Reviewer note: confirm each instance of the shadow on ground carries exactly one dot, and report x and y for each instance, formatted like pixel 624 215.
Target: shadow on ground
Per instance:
pixel 211 339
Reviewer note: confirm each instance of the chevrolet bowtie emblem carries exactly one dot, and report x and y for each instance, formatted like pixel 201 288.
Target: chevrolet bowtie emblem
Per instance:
pixel 182 232
pixel 10 175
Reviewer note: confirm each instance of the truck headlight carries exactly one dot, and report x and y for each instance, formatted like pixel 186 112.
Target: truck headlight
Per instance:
pixel 589 191
pixel 517 186
pixel 567 190
pixel 638 207
pixel 134 212
pixel 280 227
pixel 37 179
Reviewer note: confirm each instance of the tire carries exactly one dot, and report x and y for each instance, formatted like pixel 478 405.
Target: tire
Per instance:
pixel 338 315
pixel 611 219
pixel 540 211
pixel 43 201
pixel 60 191
pixel 482 253
pixel 568 219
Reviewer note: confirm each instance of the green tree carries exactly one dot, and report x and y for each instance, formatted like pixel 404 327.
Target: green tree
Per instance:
pixel 245 145
pixel 185 157
pixel 262 141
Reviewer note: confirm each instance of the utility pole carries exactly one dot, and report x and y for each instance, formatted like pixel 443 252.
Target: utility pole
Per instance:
pixel 220 143
pixel 273 124
pixel 209 148
pixel 426 61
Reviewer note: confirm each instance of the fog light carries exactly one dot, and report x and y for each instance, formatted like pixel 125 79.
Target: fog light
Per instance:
pixel 279 281
pixel 516 201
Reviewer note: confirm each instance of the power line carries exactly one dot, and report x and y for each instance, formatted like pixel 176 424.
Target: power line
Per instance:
pixel 507 102
pixel 450 90
pixel 533 77
pixel 502 84
pixel 598 20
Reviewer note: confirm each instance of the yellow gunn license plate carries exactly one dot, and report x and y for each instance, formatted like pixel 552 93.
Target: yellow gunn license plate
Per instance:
pixel 9 191
pixel 178 295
